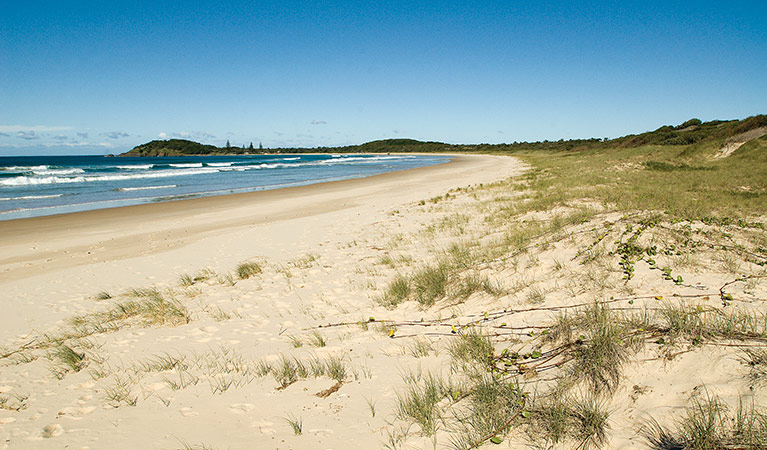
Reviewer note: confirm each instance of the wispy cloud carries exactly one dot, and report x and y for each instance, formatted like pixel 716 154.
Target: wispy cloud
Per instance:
pixel 82 135
pixel 28 128
pixel 193 135
pixel 319 122
pixel 28 135
pixel 5 134
pixel 61 137
pixel 197 135
pixel 115 134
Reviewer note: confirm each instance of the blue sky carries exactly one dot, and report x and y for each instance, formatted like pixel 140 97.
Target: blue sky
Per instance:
pixel 101 77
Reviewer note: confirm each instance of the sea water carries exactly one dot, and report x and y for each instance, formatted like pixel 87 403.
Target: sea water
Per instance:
pixel 32 186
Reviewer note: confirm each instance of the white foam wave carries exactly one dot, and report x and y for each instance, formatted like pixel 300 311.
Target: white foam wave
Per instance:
pixel 145 188
pixel 364 159
pixel 223 164
pixel 58 171
pixel 186 165
pixel 292 159
pixel 23 168
pixel 26 181
pixel 29 197
pixel 136 167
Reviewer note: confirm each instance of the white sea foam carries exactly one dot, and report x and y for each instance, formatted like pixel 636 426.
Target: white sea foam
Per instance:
pixel 136 167
pixel 57 171
pixel 29 197
pixel 292 159
pixel 23 168
pixel 28 181
pixel 363 159
pixel 145 188
pixel 186 165
pixel 222 164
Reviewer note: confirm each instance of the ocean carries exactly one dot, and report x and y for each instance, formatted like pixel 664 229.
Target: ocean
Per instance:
pixel 32 186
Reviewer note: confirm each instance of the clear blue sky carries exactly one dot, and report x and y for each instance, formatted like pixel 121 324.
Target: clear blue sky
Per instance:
pixel 101 77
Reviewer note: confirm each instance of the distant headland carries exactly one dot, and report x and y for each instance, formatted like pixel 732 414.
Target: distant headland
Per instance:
pixel 693 131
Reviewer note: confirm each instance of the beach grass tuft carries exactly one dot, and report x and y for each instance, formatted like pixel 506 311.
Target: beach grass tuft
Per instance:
pixel 708 424
pixel 246 270
pixel 296 424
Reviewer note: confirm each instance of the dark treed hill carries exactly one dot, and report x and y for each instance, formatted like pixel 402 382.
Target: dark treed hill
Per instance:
pixel 179 147
pixel 693 133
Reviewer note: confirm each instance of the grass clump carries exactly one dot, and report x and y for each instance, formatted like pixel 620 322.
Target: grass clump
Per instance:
pixel 756 359
pixel 397 291
pixel 490 407
pixel 248 269
pixel 103 295
pixel 316 339
pixel 13 402
pixel 708 425
pixel 67 360
pixel 561 418
pixel 472 350
pixel 430 283
pixel 296 424
pixel 120 393
pixel 419 402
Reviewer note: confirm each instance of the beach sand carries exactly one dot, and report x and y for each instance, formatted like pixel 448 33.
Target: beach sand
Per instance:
pixel 316 245
pixel 173 350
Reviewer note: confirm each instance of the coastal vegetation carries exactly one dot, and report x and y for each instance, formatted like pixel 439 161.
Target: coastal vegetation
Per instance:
pixel 524 313
pixel 690 134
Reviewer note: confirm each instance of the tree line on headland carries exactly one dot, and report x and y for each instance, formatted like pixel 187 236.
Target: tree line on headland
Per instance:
pixel 691 132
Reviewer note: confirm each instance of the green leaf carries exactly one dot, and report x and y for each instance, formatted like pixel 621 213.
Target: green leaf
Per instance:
pixel 526 414
pixel 496 440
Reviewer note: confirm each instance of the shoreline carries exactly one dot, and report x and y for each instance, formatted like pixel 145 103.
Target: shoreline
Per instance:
pixel 138 244
pixel 114 203
pixel 16 227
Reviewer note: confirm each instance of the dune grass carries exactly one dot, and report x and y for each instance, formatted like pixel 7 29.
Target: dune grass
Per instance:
pixel 708 424
pixel 247 270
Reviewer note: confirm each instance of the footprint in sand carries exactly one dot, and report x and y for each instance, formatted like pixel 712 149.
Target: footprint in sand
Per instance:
pixel 7 420
pixel 75 413
pixel 265 427
pixel 188 412
pixel 52 430
pixel 242 408
pixel 154 387
pixel 323 432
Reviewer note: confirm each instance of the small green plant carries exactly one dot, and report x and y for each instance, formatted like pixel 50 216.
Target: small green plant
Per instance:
pixel 296 341
pixel 397 291
pixel 371 405
pixel 103 295
pixel 296 424
pixel 707 424
pixel 316 339
pixel 13 402
pixel 421 347
pixel 430 283
pixel 248 269
pixel 67 360
pixel 120 392
pixel 420 403
pixel 185 280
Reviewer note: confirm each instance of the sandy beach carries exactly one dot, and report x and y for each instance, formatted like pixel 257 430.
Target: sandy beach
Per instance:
pixel 316 245
pixel 393 311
